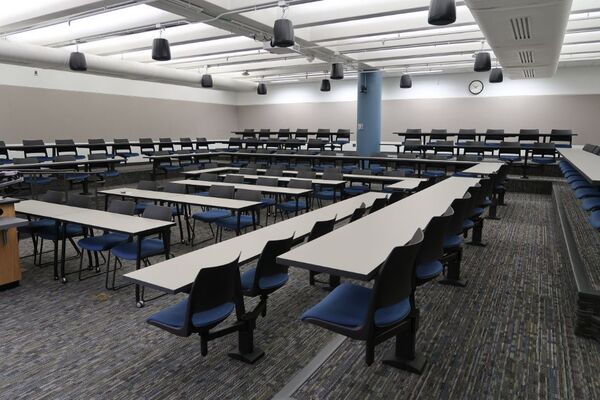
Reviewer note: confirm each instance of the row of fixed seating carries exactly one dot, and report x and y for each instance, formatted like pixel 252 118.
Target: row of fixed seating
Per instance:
pixel 592 148
pixel 588 193
pixel 122 147
pixel 341 135
pixel 563 138
pixel 372 315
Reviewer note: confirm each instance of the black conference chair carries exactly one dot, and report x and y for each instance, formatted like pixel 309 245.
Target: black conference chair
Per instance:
pixel 528 137
pixel 95 245
pixel 321 228
pixel 268 276
pixel 294 205
pixel 377 314
pixel 201 142
pixel 509 152
pixel 149 247
pixel 360 188
pixel 211 216
pixel 166 144
pixel 429 265
pixel 121 147
pixel 328 193
pixel 453 242
pixel 4 155
pixel 466 135
pixel 493 138
pixel 342 137
pixel 35 148
pixel 147 146
pixel 186 143
pixel 245 220
pixel 214 296
pixel 96 146
pixel 268 201
pixel 562 138
pixel 378 204
pixel 437 135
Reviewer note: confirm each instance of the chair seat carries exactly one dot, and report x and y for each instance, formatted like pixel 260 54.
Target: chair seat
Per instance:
pixel 429 270
pixel 347 169
pixel 464 174
pixel 580 185
pixel 355 190
pixel 347 305
pixel 170 168
pixel 127 155
pixel 543 160
pixel 290 206
pixel 78 177
pixel 201 193
pixel 102 242
pixel 36 225
pixel 477 211
pixel 595 219
pixel 487 202
pixel 174 316
pixel 211 215
pixel 591 204
pixel 150 247
pixel 451 242
pixel 72 230
pixel 111 173
pixel 575 178
pixel 327 194
pixel 468 224
pixel 38 180
pixel 587 192
pixel 265 283
pixel 434 174
pixel 509 158
pixel 377 169
pixel 239 164
pixel 267 201
pixel 231 223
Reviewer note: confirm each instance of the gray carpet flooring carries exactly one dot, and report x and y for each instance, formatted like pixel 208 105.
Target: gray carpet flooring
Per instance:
pixel 508 334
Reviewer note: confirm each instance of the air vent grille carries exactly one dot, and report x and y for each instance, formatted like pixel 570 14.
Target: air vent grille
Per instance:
pixel 526 57
pixel 520 27
pixel 528 73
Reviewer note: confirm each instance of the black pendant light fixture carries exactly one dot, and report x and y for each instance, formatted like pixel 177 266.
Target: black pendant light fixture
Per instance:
pixel 160 48
pixel 496 76
pixel 77 61
pixel 283 30
pixel 337 71
pixel 261 89
pixel 325 85
pixel 483 62
pixel 442 12
pixel 206 81
pixel 405 81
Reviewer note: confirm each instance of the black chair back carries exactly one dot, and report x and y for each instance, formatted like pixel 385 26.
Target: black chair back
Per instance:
pixel 267 262
pixel 321 228
pixel 65 146
pixel 267 181
pixel 186 143
pixel 171 187
pixel 147 146
pixel 274 171
pixel 3 150
pixel 358 213
pixel 78 200
pixel 125 207
pixel 233 179
pixel 412 133
pixel 529 135
pixel 461 209
pixel 378 204
pixel 34 147
pixel 332 175
pixel 299 184
pixel 496 135
pixel 438 134
pixel 301 134
pixel 247 171
pixel 53 196
pixel 165 144
pixel 121 144
pixel 154 211
pixel 97 145
pixel 147 185
pixel 466 134
pixel 207 176
pixel 248 195
pixel 307 174
pixel 224 192
pixel 432 248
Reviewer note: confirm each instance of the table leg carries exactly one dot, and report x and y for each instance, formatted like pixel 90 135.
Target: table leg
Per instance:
pixel 525 165
pixel 56 235
pixel 63 277
pixel 138 252
pixel 237 228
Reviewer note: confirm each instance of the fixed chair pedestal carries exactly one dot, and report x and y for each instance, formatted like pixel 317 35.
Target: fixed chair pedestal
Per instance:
pixel 404 356
pixel 247 352
pixel 477 234
pixel 452 277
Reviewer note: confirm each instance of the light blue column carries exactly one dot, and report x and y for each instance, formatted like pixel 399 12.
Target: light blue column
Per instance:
pixel 368 127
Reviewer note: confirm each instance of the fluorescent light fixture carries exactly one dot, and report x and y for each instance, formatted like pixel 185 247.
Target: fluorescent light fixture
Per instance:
pixel 20 10
pixel 584 15
pixel 284 80
pixel 121 19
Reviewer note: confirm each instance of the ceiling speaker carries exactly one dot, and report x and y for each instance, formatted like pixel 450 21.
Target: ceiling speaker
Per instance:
pixel 496 76
pixel 337 71
pixel 261 89
pixel 77 61
pixel 405 81
pixel 325 85
pixel 483 62
pixel 161 50
pixel 283 33
pixel 206 81
pixel 442 12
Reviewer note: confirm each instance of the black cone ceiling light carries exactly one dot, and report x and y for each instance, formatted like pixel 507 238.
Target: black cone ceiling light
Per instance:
pixel 442 12
pixel 261 89
pixel 483 62
pixel 283 33
pixel 405 81
pixel 206 81
pixel 325 85
pixel 161 50
pixel 496 76
pixel 337 71
pixel 77 61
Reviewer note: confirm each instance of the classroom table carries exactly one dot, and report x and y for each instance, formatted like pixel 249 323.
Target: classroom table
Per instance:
pixel 178 274
pixel 586 163
pixel 278 190
pixel 94 219
pixel 481 135
pixel 357 250
pixel 236 206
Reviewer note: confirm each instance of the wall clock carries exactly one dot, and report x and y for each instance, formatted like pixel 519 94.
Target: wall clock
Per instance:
pixel 476 87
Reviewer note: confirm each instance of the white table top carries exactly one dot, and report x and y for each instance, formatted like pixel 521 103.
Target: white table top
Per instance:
pixel 230 204
pixel 327 182
pixel 260 188
pixel 216 170
pixel 358 249
pixel 485 168
pixel 588 164
pixel 404 185
pixel 177 273
pixel 94 218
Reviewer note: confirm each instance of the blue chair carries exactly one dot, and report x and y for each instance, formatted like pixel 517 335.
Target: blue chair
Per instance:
pixel 97 244
pixel 453 242
pixel 268 202
pixel 357 189
pixel 268 276
pixel 67 146
pixel 591 204
pixel 245 220
pixel 429 265
pixel 213 215
pixel 595 219
pixel 328 193
pixel 584 193
pixel 149 247
pixel 293 205
pixel 375 314
pixel 167 165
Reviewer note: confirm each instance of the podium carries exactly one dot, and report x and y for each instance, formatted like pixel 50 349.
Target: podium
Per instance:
pixel 10 268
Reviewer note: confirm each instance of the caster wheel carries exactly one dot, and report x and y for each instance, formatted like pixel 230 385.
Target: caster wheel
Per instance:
pixel 64 279
pixel 140 304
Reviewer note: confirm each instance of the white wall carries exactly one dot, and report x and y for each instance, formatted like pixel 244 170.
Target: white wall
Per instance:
pixel 568 81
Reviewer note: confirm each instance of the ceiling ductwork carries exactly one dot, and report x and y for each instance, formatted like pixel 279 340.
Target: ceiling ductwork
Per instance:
pixel 53 58
pixel 525 35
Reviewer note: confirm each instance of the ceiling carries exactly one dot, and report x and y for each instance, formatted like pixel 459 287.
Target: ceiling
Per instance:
pixel 225 37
